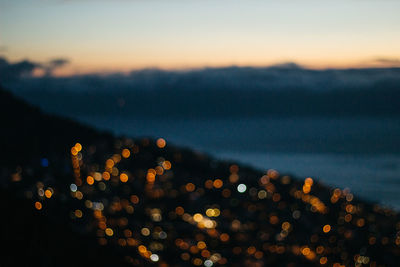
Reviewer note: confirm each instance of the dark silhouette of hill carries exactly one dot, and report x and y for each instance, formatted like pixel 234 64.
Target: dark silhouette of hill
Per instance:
pixel 28 132
pixel 31 239
pixel 75 196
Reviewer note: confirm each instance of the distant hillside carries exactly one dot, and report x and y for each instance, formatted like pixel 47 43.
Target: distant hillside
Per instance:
pixel 286 90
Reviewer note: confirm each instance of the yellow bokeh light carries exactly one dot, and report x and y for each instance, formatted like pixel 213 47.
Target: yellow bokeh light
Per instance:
pixel 74 152
pixel 309 181
pixel 285 226
pixel 161 143
pixel 106 176
pixel 210 212
pixel 78 213
pixel 78 147
pixel 323 260
pixel 109 232
pixel 305 251
pixel 109 163
pixel 166 165
pixel 179 210
pixel 145 231
pixel 151 177
pixel 142 249
pixel 201 245
pixel 218 183
pixel 90 180
pixel 326 228
pixel 123 177
pixel 134 199
pixel 190 187
pixel 306 188
pixel 48 193
pixel 126 153
pixel 159 170
pixel 38 205
pixel 197 217
pixel 224 237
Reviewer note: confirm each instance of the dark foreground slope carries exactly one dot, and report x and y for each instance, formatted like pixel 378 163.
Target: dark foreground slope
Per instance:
pixel 72 196
pixel 27 139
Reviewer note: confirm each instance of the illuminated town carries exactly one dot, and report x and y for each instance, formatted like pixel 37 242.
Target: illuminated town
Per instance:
pixel 156 204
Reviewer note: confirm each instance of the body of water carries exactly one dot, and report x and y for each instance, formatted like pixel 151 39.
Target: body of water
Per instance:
pixel 358 153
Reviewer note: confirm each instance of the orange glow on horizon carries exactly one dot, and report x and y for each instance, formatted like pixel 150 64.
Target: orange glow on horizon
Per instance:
pixel 104 68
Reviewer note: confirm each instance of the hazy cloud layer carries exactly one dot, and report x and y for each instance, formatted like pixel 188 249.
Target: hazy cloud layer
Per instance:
pixel 285 89
pixel 388 61
pixel 11 72
pixel 285 76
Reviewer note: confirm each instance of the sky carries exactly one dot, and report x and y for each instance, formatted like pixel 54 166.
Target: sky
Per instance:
pixel 120 35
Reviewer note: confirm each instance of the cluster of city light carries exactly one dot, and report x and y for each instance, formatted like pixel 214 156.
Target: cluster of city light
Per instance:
pixel 76 158
pixel 109 195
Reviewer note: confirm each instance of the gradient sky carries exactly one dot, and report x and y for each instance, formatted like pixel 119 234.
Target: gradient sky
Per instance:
pixel 100 35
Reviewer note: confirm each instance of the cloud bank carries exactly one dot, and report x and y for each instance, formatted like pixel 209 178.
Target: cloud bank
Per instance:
pixel 285 89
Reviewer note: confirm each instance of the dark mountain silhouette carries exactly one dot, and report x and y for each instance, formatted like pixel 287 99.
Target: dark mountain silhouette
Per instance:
pixel 28 132
pixel 29 238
